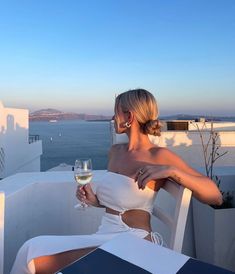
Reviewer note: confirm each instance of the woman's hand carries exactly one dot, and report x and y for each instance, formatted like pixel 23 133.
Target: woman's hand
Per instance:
pixel 151 173
pixel 85 194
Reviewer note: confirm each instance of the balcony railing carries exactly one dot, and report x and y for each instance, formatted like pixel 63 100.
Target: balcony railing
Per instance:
pixel 33 138
pixel 2 162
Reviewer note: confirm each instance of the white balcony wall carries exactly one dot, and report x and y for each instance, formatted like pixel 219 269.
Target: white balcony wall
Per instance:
pixel 221 126
pixel 42 203
pixel 15 151
pixel 192 125
pixel 188 145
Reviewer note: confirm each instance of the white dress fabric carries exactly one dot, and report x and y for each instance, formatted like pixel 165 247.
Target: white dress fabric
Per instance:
pixel 113 190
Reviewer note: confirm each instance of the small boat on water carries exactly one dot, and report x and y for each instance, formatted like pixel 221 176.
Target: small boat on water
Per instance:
pixel 52 121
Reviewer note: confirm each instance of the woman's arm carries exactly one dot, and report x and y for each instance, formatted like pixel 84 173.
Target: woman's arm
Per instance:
pixel 172 166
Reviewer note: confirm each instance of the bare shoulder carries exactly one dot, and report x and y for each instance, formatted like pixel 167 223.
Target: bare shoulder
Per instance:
pixel 162 152
pixel 116 148
pixel 166 156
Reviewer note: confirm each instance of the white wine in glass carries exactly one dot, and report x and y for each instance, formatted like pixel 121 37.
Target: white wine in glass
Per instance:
pixel 82 175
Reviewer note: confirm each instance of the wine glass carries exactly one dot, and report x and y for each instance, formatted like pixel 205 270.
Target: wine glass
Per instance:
pixel 82 175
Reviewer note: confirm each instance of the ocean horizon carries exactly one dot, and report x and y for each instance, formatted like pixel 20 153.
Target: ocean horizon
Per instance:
pixel 65 141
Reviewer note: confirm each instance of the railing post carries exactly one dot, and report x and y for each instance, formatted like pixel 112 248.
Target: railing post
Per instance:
pixel 2 163
pixel 33 138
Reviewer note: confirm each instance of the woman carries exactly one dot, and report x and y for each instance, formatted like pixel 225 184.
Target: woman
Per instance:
pixel 136 171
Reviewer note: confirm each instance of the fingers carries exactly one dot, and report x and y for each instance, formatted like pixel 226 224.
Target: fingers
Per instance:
pixel 142 182
pixel 151 172
pixel 84 193
pixel 80 193
pixel 138 173
pixel 88 189
pixel 142 177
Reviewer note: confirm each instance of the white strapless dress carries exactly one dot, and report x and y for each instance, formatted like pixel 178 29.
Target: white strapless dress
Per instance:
pixel 115 191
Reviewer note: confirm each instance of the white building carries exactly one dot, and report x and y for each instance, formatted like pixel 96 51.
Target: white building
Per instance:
pixel 18 151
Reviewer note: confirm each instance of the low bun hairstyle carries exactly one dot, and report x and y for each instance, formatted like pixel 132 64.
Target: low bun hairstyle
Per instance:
pixel 152 127
pixel 144 106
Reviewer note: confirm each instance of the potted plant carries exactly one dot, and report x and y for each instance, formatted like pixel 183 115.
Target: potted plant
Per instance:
pixel 214 226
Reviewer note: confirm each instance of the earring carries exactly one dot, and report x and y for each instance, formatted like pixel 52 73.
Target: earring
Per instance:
pixel 128 125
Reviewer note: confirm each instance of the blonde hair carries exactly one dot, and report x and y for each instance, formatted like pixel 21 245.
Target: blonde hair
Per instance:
pixel 144 106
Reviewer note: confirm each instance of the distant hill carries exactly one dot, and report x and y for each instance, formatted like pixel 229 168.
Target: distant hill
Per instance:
pixel 54 114
pixel 47 111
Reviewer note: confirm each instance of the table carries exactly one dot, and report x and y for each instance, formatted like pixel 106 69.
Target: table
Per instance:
pixel 129 254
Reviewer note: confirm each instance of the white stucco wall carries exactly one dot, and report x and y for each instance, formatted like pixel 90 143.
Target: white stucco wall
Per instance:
pixel 221 126
pixel 192 125
pixel 42 203
pixel 31 209
pixel 188 145
pixel 18 153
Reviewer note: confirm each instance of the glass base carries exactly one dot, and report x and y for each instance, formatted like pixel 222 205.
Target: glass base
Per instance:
pixel 82 205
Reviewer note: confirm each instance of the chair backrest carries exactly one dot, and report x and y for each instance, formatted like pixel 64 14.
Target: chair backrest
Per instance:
pixel 2 210
pixel 176 221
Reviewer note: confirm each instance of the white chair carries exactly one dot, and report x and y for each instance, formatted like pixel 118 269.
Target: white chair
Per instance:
pixel 176 221
pixel 171 209
pixel 2 210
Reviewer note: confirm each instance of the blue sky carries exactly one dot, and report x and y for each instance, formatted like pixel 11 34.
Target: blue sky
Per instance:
pixel 76 55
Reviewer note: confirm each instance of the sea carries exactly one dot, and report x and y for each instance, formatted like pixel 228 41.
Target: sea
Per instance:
pixel 66 141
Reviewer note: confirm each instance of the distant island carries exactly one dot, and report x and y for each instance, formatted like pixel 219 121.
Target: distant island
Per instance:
pixel 197 117
pixel 54 115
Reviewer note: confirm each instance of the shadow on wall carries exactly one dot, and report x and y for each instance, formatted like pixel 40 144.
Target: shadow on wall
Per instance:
pixel 13 141
pixel 189 146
